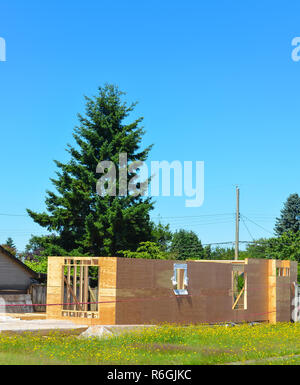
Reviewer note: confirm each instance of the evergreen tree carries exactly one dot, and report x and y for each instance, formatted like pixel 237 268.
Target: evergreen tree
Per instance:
pixel 162 235
pixel 222 253
pixel 290 216
pixel 10 246
pixel 81 221
pixel 10 243
pixel 186 245
pixel 258 249
pixel 147 250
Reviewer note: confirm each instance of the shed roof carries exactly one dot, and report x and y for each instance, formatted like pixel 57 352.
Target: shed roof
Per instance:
pixel 17 261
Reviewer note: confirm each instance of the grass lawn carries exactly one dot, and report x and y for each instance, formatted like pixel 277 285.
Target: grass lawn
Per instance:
pixel 166 344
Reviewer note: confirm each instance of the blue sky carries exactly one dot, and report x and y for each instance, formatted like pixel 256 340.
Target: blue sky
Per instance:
pixel 214 79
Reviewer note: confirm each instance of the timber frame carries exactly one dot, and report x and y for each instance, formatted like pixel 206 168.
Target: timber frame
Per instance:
pixel 77 291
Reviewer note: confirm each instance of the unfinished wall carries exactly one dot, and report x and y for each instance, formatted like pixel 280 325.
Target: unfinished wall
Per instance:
pixel 140 291
pixel 210 292
pixel 59 275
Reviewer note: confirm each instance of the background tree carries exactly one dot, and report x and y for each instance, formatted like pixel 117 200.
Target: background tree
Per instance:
pixel 39 265
pixel 10 243
pixel 258 249
pixel 162 235
pixel 186 245
pixel 147 250
pixel 288 219
pixel 34 250
pixel 83 222
pixel 287 246
pixel 10 246
pixel 222 253
pixel 207 252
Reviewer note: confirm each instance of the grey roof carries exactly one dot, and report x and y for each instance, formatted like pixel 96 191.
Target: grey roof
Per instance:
pixel 20 263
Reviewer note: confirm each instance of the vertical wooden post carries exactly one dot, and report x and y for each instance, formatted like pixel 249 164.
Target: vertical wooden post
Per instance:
pixel 86 286
pixel 69 283
pixel 81 285
pixel 98 292
pixel 272 291
pixel 63 300
pixel 75 283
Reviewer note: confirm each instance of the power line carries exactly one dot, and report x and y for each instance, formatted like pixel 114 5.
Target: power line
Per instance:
pixel 226 243
pixel 14 215
pixel 213 243
pixel 258 225
pixel 195 216
pixel 242 217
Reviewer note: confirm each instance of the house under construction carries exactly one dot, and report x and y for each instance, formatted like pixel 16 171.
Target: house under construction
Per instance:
pixel 121 291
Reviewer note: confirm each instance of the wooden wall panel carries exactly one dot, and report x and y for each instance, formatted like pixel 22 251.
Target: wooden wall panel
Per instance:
pixel 107 290
pixel 257 271
pixel 54 286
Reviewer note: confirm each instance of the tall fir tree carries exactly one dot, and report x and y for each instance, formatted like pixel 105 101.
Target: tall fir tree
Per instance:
pixel 82 222
pixel 289 219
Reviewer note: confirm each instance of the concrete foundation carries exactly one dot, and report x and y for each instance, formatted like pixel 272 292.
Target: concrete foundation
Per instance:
pixel 41 327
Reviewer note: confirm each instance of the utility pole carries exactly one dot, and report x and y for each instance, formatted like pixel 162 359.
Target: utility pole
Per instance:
pixel 237 223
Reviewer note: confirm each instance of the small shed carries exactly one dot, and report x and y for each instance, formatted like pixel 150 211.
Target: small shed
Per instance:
pixel 15 276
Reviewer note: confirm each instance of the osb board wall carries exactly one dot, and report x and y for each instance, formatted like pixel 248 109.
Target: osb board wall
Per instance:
pixel 210 292
pixel 257 290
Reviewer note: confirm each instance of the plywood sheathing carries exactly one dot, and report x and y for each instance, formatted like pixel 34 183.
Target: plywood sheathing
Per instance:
pixel 210 292
pixel 54 286
pixel 107 290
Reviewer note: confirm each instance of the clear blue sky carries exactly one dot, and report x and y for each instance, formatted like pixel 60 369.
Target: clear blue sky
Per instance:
pixel 214 80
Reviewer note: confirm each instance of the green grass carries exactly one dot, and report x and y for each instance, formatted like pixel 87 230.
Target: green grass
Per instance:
pixel 14 358
pixel 166 344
